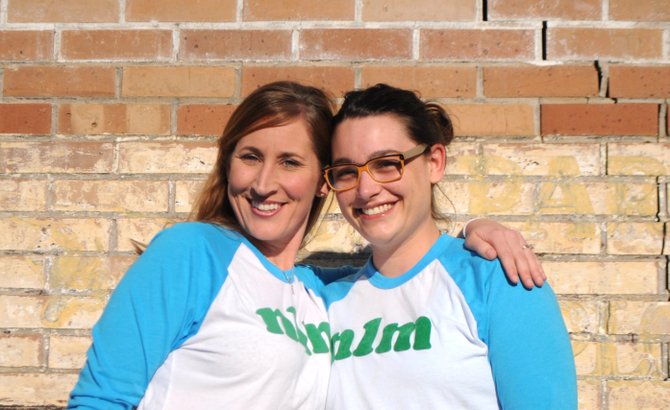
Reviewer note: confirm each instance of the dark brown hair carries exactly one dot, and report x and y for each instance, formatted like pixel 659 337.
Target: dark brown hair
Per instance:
pixel 426 122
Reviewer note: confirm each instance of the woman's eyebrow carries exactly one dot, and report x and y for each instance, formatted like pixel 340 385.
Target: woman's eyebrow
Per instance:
pixel 376 154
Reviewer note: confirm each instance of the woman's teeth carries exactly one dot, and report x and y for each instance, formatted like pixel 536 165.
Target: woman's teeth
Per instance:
pixel 376 210
pixel 265 206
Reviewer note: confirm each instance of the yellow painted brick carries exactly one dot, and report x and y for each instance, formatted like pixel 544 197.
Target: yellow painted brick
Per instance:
pixel 23 195
pixel 139 229
pixel 633 360
pixel 462 159
pixel 36 389
pixel 588 394
pixel 586 357
pixel 186 193
pixel 638 159
pixel 111 196
pixel 68 352
pixel 167 157
pixel 643 318
pixel 70 312
pixel 608 278
pixel 336 236
pixel 91 119
pixel 600 198
pixel 635 238
pixel 51 234
pixel 178 81
pixel 21 351
pixel 564 198
pixel 493 119
pixel 618 359
pixel 542 159
pixel 580 316
pixel 88 272
pixel 560 237
pixel 638 394
pixel 23 272
pixel 506 197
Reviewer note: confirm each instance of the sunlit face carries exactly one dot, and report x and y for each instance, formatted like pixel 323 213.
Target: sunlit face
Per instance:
pixel 273 179
pixel 393 214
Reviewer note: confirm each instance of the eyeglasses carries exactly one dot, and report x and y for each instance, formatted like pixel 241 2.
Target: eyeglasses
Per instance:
pixel 387 168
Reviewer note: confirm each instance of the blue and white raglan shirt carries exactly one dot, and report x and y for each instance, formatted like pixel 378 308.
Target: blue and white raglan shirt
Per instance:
pixel 203 320
pixel 450 333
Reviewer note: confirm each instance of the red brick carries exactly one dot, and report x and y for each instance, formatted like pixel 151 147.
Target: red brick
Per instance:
pixel 545 10
pixel 181 10
pixel 639 82
pixel 418 10
pixel 356 44
pixel 600 44
pixel 26 45
pixel 495 120
pixel 62 11
pixel 335 80
pixel 203 119
pixel 178 81
pixel 96 119
pixel 476 44
pixel 235 44
pixel 25 119
pixel 639 10
pixel 59 81
pixel 261 10
pixel 116 44
pixel 545 81
pixel 429 81
pixel 599 119
pixel 61 156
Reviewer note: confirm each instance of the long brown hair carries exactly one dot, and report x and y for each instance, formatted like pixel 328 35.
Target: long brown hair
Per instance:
pixel 271 105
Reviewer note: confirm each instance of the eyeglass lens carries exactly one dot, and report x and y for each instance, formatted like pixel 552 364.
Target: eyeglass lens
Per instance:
pixel 384 169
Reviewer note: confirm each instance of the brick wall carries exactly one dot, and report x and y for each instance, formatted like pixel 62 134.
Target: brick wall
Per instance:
pixel 109 110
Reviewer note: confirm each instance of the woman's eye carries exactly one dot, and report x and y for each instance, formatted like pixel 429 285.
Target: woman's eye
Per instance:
pixel 291 163
pixel 345 173
pixel 386 164
pixel 249 158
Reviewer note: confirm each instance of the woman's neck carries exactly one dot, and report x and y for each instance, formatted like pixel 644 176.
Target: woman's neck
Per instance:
pixel 281 255
pixel 393 261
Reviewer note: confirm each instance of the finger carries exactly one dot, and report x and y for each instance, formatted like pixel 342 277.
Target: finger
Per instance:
pixel 508 260
pixel 476 244
pixel 509 266
pixel 524 268
pixel 536 270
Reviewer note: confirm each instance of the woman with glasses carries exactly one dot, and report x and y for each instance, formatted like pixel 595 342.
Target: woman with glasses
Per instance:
pixel 426 323
pixel 215 314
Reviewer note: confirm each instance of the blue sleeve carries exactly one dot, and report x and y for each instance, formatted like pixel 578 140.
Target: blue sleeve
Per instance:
pixel 159 303
pixel 529 347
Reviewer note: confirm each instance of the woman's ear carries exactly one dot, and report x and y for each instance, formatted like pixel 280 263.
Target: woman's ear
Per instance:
pixel 438 162
pixel 323 189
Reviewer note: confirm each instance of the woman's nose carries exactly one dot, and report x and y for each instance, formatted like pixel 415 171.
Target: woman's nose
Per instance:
pixel 265 182
pixel 367 187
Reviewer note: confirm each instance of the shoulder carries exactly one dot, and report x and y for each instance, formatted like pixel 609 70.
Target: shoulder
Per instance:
pixel 465 265
pixel 339 289
pixel 194 237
